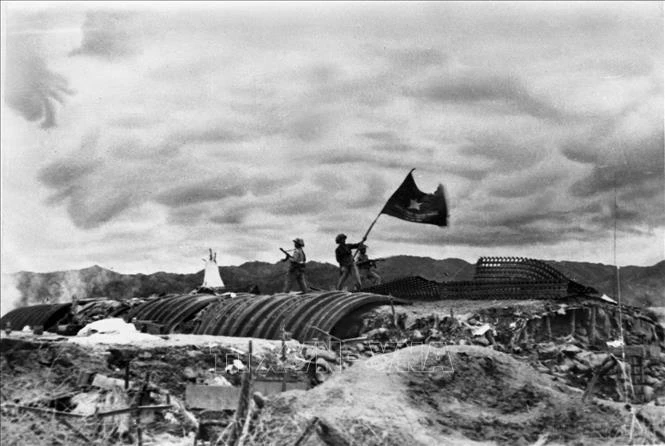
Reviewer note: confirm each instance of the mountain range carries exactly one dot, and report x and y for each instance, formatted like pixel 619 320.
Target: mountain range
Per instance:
pixel 640 286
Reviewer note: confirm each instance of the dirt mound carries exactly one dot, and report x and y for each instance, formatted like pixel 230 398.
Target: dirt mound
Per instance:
pixel 455 395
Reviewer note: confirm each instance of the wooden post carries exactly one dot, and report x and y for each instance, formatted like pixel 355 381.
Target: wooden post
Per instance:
pixel 592 335
pixel 127 375
pixel 311 425
pixel 572 323
pixel 548 323
pixel 283 358
pixel 392 309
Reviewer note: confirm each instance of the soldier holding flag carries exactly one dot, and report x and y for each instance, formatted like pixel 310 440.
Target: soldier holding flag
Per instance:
pixel 347 264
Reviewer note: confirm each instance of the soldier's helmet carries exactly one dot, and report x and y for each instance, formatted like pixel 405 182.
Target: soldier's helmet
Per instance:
pixel 340 238
pixel 299 242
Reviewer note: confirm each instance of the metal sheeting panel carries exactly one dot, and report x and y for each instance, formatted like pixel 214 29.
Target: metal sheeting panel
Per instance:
pixel 46 316
pixel 170 311
pixel 516 269
pixel 412 287
pixel 264 316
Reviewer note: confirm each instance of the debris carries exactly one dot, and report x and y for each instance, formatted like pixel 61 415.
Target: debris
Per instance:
pixel 108 326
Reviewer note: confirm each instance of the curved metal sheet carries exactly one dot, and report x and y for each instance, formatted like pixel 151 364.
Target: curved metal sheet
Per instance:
pixel 258 319
pixel 232 311
pixel 296 320
pixel 240 322
pixel 186 310
pixel 271 330
pixel 46 316
pixel 329 317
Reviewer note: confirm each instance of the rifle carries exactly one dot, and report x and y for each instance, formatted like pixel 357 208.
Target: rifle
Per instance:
pixel 370 262
pixel 288 256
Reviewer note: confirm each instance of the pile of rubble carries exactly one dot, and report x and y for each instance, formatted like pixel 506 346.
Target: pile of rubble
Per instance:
pixel 624 372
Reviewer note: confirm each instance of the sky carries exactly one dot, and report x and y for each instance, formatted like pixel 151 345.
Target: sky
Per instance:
pixel 135 136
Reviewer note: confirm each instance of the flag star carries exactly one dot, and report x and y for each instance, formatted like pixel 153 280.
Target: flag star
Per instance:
pixel 415 205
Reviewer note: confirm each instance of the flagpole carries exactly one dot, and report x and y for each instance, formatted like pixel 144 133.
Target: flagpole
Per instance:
pixel 368 231
pixel 372 225
pixel 377 217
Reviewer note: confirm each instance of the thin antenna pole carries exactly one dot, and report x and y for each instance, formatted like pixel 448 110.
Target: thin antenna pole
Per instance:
pixel 618 291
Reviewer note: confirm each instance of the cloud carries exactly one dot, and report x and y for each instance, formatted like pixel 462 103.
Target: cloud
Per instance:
pixel 418 57
pixel 64 173
pixel 31 88
pixel 499 93
pixel 208 134
pixel 109 34
pixel 212 189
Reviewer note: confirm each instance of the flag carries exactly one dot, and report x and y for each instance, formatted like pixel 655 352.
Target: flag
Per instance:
pixel 410 204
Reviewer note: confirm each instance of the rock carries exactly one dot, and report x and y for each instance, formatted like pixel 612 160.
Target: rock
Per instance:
pixel 259 399
pixel 417 336
pixel 648 393
pixel 571 349
pixel 442 378
pixel 660 401
pixel 189 373
pixel 481 340
pixel 592 360
pixel 650 380
pixel 521 441
pixel 312 353
pixel 547 350
pixel 580 366
pixel 565 366
pixel 194 353
pixel 360 347
pixel 377 333
pixel 320 362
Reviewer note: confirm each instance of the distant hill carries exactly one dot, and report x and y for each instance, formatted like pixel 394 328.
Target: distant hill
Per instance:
pixel 641 286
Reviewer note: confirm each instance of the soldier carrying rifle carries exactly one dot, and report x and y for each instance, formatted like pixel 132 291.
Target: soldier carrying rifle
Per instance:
pixel 367 266
pixel 296 269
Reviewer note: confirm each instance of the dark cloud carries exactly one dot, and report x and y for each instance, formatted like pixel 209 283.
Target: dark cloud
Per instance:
pixel 466 171
pixel 88 211
pixel 311 126
pixel 418 57
pixel 371 195
pixel 207 135
pixel 330 181
pixel 300 204
pixel 109 34
pixel 31 88
pixel 533 219
pixel 90 203
pixel 520 188
pixel 213 189
pixel 187 215
pixel 504 154
pixel 64 173
pixel 133 150
pixel 263 185
pixel 623 167
pixel 134 121
pixel 380 136
pixel 506 93
pixel 230 217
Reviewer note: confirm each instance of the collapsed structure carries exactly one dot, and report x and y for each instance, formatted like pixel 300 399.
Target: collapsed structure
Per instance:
pixel 552 307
